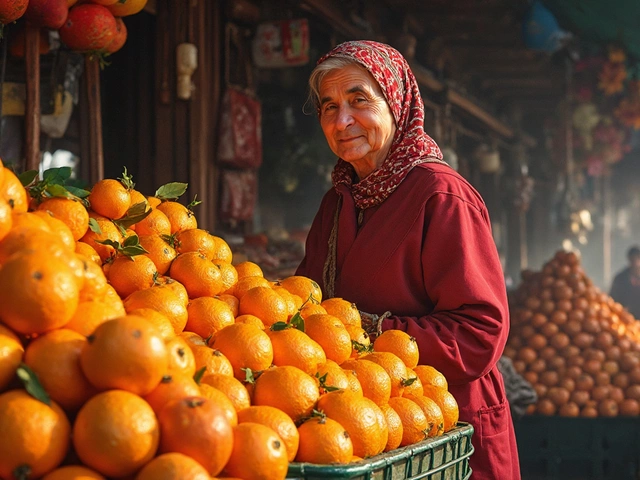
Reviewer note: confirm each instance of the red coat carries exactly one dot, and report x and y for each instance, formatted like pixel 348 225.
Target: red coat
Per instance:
pixel 427 255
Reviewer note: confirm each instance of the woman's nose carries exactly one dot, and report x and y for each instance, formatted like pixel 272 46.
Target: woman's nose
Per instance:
pixel 344 119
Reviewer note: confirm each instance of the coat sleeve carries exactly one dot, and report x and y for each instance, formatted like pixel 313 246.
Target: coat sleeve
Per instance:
pixel 465 333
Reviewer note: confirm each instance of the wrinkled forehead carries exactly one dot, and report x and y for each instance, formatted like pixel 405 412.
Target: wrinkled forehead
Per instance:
pixel 385 64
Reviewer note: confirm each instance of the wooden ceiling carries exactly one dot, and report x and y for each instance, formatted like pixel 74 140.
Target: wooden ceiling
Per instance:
pixel 476 46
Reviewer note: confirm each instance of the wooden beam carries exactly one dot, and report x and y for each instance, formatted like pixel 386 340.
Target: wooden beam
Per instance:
pixel 32 107
pixel 92 83
pixel 330 12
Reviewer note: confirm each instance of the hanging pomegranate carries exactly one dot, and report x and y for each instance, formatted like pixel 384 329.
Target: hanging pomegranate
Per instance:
pixel 89 28
pixel 47 13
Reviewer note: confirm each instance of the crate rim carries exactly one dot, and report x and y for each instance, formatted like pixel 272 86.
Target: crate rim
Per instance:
pixel 365 466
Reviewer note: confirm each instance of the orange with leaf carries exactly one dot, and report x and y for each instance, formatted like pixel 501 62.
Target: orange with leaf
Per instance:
pixel 159 250
pixel 295 348
pixel 11 353
pixel 180 217
pixel 246 346
pixel 131 270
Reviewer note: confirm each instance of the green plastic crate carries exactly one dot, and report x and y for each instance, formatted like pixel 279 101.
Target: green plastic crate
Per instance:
pixel 441 458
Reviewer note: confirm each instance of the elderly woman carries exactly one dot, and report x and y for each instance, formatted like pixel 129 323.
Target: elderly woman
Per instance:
pixel 402 232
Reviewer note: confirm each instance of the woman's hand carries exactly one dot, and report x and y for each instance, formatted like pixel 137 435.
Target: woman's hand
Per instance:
pixel 372 323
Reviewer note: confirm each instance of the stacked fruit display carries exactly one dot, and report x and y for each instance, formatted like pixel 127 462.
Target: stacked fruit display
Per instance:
pixel 578 347
pixel 146 353
pixel 94 26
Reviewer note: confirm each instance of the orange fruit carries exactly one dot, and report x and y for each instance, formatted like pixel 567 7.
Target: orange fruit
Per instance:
pixel 73 213
pixel 174 286
pixel 248 269
pixel 330 333
pixel 394 425
pixel 414 422
pixel 258 453
pixel 246 346
pixel 29 220
pixel 172 387
pixel 127 353
pixel 89 315
pixel 110 198
pixel 413 385
pixel 213 361
pixel 58 227
pixel 310 308
pixel 113 300
pixel 292 304
pixel 222 252
pixel 302 286
pixel 231 387
pixel 12 191
pixel 395 368
pixel 359 416
pixel 335 376
pixel 159 320
pixel 250 319
pixel 435 419
pixel 231 301
pixel 164 301
pixel 160 252
pixel 324 441
pixel 124 8
pixel 287 388
pixel 207 316
pixel 447 404
pixel 35 436
pixel 199 276
pixel 361 339
pixel 375 382
pixel 180 357
pixel 156 223
pixel 192 339
pixel 73 472
pixel 172 466
pixel 6 219
pixel 94 285
pixel 346 311
pixel 265 304
pixel 229 277
pixel 116 433
pixel 88 251
pixel 153 201
pixel 180 217
pixel 130 274
pixel 247 283
pixel 222 400
pixel 195 240
pixel 38 293
pixel 276 420
pixel 400 344
pixel 294 347
pixel 55 359
pixel 354 384
pixel 26 239
pixel 109 232
pixel 136 196
pixel 430 376
pixel 11 353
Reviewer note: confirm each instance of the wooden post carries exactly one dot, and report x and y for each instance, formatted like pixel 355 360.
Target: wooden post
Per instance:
pixel 32 107
pixel 92 83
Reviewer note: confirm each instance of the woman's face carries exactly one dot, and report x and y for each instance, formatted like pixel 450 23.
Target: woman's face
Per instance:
pixel 355 118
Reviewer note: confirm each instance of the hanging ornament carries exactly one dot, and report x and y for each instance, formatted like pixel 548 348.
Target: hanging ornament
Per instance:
pixel 584 119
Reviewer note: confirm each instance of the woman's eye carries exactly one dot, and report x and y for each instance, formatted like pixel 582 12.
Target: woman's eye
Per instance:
pixel 359 100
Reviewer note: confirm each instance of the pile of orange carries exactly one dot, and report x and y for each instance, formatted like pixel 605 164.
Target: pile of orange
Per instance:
pixel 578 347
pixel 159 358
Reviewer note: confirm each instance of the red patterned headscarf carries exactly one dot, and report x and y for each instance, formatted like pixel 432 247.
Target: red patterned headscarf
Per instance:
pixel 411 145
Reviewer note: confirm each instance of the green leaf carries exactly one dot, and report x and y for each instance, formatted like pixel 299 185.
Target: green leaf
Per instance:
pixel 110 243
pixel 297 321
pixel 361 348
pixel 132 241
pixel 127 180
pixel 57 176
pixel 77 192
pixel 28 177
pixel 31 384
pixel 318 413
pixel 408 381
pixel 121 229
pixel 95 226
pixel 278 326
pixel 57 190
pixel 169 239
pixel 171 191
pixel 249 376
pixel 194 202
pixel 133 251
pixel 199 374
pixel 134 215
